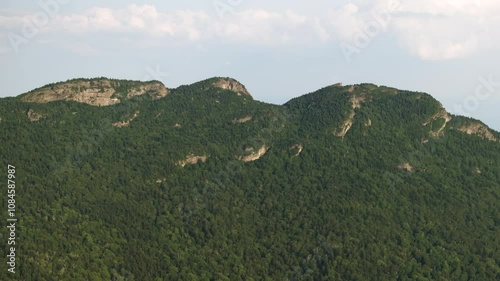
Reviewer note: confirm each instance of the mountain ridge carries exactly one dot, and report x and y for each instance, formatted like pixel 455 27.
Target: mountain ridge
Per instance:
pixel 104 91
pixel 345 183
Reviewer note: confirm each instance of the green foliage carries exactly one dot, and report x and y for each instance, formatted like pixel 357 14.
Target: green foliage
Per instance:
pixel 99 202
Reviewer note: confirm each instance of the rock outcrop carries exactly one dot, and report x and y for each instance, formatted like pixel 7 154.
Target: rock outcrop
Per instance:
pixel 255 155
pixel 191 160
pixel 356 101
pixel 441 114
pixel 298 148
pixel 96 92
pixel 231 85
pixel 242 120
pixel 406 167
pixel 479 130
pixel 34 116
pixel 122 124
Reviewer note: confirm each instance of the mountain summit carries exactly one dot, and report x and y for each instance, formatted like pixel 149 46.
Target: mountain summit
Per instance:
pixel 231 85
pixel 97 91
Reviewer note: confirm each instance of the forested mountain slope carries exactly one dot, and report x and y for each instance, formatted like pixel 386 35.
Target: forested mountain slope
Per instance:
pixel 203 182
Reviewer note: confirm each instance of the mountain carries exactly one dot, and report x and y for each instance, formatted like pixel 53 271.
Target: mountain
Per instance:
pixel 128 180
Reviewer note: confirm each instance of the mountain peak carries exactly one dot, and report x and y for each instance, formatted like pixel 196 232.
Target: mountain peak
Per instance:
pixel 230 84
pixel 96 91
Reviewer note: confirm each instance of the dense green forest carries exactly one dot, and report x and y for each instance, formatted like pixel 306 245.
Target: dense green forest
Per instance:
pixel 357 183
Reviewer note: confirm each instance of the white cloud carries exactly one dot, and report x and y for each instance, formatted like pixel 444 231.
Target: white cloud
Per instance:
pixel 320 30
pixel 443 30
pixel 144 11
pixel 346 21
pixel 431 30
pixel 259 26
pixel 294 18
pixel 266 28
pixel 191 23
pixel 135 18
pixel 357 26
pixel 437 39
pixel 103 18
pixel 443 7
pixel 249 25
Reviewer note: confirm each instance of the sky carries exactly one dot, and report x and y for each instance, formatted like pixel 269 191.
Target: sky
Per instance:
pixel 278 50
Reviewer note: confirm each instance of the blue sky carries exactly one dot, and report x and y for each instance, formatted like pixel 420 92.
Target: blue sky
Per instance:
pixel 279 50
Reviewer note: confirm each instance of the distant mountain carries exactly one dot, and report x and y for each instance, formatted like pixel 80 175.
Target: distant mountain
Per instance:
pixel 129 180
